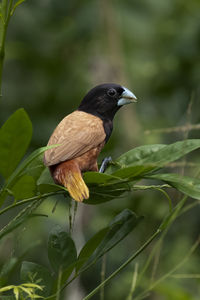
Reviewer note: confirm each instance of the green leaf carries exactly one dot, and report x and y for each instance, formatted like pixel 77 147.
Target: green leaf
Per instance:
pixel 15 136
pixel 134 171
pixel 2 19
pixel 172 152
pixel 133 156
pixel 6 288
pixel 16 292
pixel 37 273
pixel 103 187
pixel 90 247
pixel 119 227
pixel 21 169
pixel 32 285
pixel 95 178
pixel 61 249
pixel 36 167
pixel 7 269
pixel 187 185
pixel 117 230
pixel 144 159
pixel 45 177
pixel 100 194
pixel 49 188
pixel 162 154
pixel 24 188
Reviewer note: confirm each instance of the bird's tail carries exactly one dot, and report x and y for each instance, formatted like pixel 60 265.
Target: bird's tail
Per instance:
pixel 76 186
pixel 69 175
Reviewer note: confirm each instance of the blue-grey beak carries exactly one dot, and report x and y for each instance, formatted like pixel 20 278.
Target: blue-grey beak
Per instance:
pixel 126 97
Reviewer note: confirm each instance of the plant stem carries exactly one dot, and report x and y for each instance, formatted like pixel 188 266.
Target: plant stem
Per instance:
pixel 147 187
pixel 2 53
pixel 103 272
pixel 133 283
pixel 4 22
pixel 123 265
pixel 30 200
pixel 24 201
pixel 59 284
pixel 166 224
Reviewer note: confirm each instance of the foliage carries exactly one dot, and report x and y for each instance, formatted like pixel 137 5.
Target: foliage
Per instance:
pixel 23 289
pixel 82 34
pixel 122 176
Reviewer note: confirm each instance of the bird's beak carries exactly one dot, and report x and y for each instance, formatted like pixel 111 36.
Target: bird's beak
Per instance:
pixel 126 97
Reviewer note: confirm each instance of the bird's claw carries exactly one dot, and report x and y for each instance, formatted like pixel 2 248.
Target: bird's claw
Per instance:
pixel 104 164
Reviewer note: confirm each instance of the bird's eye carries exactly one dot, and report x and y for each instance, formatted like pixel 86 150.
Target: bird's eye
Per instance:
pixel 111 92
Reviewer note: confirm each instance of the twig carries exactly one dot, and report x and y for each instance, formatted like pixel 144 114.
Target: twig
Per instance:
pixel 133 284
pixel 166 225
pixel 59 284
pixel 149 187
pixel 103 272
pixel 174 129
pixel 186 276
pixel 188 123
pixel 4 22
pixel 24 201
pixel 156 260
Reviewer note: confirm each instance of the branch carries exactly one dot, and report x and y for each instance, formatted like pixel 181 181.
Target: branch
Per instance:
pixel 4 23
pixel 184 128
pixel 24 201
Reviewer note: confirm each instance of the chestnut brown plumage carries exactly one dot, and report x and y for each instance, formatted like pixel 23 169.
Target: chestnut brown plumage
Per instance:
pixel 81 136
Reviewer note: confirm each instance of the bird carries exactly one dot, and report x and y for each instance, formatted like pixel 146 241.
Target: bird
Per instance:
pixel 82 134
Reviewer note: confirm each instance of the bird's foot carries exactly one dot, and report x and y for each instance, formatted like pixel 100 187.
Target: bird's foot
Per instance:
pixel 104 164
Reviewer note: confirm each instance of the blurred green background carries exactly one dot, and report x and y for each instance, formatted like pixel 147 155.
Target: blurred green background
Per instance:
pixel 55 52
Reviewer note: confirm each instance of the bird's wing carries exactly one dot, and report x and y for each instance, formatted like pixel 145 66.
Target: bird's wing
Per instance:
pixel 77 133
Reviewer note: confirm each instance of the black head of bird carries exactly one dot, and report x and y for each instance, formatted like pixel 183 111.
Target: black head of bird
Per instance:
pixel 105 100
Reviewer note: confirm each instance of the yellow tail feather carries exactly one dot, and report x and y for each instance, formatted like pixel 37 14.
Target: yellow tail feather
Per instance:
pixel 76 186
